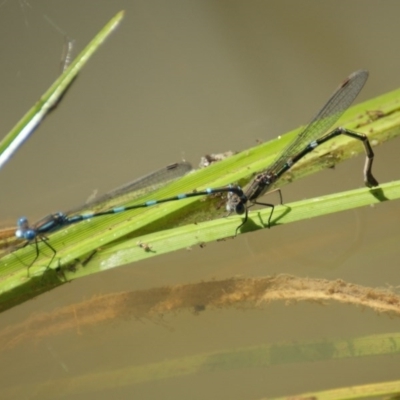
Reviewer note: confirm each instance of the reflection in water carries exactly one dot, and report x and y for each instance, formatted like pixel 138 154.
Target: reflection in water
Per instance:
pixel 197 297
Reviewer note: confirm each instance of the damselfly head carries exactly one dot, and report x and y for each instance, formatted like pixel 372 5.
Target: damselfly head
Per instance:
pixel 235 204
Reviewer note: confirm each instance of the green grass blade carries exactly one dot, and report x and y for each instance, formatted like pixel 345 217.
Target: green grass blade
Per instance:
pixel 198 234
pixel 375 390
pixel 30 121
pixel 263 356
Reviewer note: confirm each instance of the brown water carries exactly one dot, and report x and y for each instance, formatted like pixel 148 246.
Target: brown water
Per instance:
pixel 181 79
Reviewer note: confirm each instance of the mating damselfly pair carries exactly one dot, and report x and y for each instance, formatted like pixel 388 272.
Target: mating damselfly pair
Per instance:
pixel 239 200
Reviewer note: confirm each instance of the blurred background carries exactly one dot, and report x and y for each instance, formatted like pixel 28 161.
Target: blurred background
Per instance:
pixel 178 80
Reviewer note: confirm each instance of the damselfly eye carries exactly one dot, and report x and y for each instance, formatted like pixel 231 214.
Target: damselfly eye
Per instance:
pixel 22 223
pixel 240 208
pixel 27 234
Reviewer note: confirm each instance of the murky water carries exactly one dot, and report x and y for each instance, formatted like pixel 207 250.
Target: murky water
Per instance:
pixel 180 80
